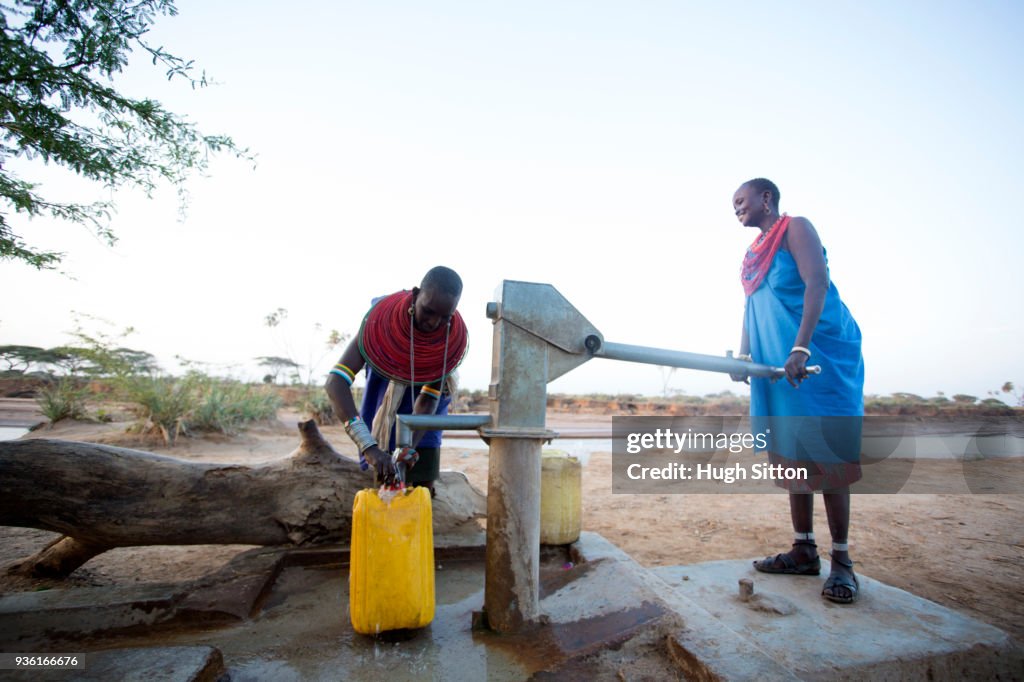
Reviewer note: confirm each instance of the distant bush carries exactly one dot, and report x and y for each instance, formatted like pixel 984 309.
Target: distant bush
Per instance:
pixel 171 407
pixel 161 405
pixel 62 399
pixel 471 401
pixel 224 406
pixel 318 407
pixel 997 404
pixel 609 397
pixel 726 403
pixel 907 399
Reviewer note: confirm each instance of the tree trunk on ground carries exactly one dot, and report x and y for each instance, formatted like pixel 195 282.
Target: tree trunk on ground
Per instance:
pixel 101 497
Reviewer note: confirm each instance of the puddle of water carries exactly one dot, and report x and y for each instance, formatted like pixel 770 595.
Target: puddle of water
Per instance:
pixel 12 432
pixel 317 598
pixel 546 647
pixel 303 632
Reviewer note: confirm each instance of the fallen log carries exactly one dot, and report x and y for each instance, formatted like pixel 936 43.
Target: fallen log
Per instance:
pixel 100 497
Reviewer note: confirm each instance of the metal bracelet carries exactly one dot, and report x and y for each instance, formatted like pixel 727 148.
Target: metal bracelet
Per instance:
pixel 359 432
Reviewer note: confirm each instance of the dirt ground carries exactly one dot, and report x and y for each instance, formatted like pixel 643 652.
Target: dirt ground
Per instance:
pixel 965 552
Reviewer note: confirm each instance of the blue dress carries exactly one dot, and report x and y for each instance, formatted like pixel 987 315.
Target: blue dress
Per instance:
pixel 834 398
pixel 376 385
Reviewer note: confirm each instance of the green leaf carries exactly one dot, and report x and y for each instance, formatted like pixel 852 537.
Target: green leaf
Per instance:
pixel 45 102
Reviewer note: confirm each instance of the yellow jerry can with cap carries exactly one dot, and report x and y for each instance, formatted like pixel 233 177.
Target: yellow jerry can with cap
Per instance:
pixel 391 565
pixel 561 482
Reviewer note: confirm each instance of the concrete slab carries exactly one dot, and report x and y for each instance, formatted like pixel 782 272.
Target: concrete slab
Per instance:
pixel 889 634
pixel 303 631
pixel 28 619
pixel 299 629
pixel 154 664
pixel 285 617
pixel 148 664
pixel 705 650
pixel 609 578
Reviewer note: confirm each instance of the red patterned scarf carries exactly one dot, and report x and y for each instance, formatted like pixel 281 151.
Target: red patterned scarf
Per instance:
pixel 761 253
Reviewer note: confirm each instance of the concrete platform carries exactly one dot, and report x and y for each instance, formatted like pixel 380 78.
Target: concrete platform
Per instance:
pixel 292 622
pixel 888 634
pixel 148 664
pixel 280 615
pixel 155 664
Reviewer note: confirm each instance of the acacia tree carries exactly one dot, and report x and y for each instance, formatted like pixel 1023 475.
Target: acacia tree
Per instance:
pixel 276 321
pixel 22 359
pixel 276 365
pixel 58 59
pixel 19 358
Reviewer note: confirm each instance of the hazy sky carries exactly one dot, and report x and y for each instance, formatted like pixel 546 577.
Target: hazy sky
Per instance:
pixel 591 145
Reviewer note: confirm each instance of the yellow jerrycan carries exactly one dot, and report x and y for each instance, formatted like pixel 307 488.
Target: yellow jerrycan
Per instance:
pixel 561 481
pixel 391 566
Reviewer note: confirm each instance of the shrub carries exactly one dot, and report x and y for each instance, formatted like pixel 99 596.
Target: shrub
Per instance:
pixel 171 407
pixel 995 406
pixel 907 399
pixel 726 403
pixel 62 399
pixel 224 406
pixel 319 408
pixel 161 405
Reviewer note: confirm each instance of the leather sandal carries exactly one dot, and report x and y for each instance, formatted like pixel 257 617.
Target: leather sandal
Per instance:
pixel 849 581
pixel 789 566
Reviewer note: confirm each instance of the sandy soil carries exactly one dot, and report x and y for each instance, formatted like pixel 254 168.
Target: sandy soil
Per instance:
pixel 965 552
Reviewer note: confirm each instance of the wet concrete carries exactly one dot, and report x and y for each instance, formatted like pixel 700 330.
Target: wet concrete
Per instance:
pixel 302 632
pixel 295 625
pixel 279 615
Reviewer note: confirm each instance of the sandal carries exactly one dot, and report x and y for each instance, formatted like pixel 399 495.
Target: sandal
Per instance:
pixel 789 566
pixel 849 581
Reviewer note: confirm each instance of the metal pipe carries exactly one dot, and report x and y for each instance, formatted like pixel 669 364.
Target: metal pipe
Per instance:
pixel 512 555
pixel 407 423
pixel 676 358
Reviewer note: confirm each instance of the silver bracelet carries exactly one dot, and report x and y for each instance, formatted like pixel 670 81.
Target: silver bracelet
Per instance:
pixel 800 349
pixel 360 434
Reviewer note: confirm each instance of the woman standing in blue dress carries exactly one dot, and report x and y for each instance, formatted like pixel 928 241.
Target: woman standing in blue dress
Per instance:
pixel 794 314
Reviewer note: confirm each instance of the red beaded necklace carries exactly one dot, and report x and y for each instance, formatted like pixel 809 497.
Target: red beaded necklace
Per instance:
pixel 760 254
pixel 387 342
